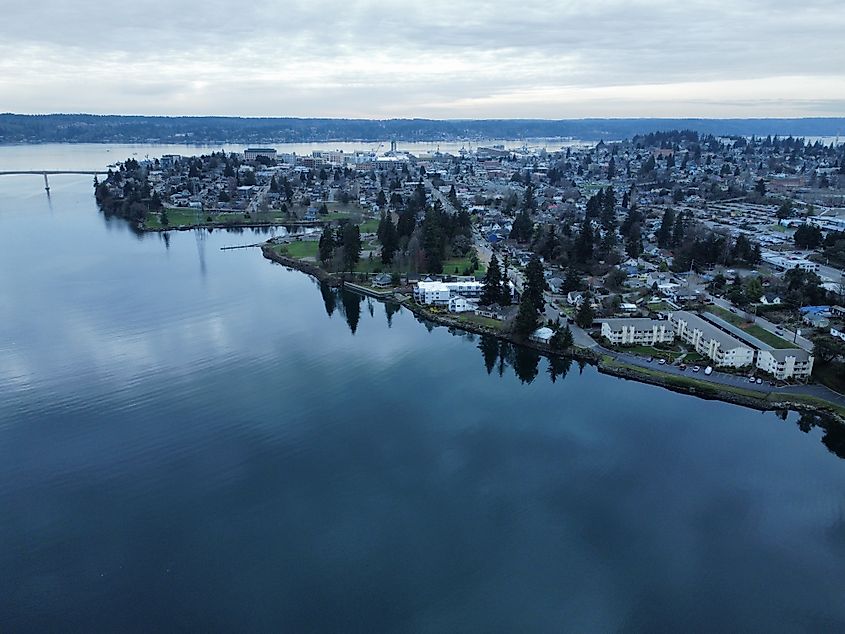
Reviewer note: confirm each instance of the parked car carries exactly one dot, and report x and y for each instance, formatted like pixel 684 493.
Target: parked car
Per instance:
pixel 759 381
pixel 682 367
pixel 708 370
pixel 650 359
pixel 662 362
pixel 751 379
pixel 696 368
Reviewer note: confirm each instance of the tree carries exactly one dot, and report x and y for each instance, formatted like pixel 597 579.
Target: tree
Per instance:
pixel 381 199
pixel 389 241
pixel 274 185
pixel 664 234
pixel 562 339
pixel 827 348
pixel 522 227
pixel 351 245
pixel 535 283
pixel 807 237
pixel 492 292
pixel 327 244
pixel 585 315
pixel 678 230
pixel 760 187
pixel 526 318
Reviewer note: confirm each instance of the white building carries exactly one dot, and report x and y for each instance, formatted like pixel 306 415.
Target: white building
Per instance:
pixel 437 292
pixel 460 304
pixel 634 331
pixel 792 363
pixel 708 340
pixel 252 153
pixel 542 335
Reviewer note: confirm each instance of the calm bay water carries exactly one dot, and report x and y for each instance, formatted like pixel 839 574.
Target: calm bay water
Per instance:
pixel 196 439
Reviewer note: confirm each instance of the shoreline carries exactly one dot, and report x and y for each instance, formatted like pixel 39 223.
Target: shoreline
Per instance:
pixel 763 402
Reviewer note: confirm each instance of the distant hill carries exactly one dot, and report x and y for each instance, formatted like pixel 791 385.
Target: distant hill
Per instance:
pixel 86 128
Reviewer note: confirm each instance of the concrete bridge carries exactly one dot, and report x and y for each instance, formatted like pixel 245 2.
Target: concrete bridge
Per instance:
pixel 46 173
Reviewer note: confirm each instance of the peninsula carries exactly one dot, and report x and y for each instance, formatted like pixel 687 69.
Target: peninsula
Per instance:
pixel 703 263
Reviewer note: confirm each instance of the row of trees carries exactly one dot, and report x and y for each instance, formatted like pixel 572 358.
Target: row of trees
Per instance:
pixel 340 246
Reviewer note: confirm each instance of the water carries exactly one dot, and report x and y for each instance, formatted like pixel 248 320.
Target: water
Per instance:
pixel 190 441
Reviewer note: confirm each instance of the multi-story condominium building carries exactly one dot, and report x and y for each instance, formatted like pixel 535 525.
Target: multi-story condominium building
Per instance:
pixel 640 332
pixel 792 363
pixel 708 340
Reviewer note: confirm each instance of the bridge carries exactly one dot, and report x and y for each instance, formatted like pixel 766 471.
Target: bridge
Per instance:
pixel 46 173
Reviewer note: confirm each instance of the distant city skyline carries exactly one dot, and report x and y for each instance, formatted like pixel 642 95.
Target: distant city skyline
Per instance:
pixel 767 58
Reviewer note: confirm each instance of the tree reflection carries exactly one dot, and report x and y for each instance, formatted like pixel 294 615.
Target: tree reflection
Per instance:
pixel 390 309
pixel 351 308
pixel 525 363
pixel 489 346
pixel 559 367
pixel 329 298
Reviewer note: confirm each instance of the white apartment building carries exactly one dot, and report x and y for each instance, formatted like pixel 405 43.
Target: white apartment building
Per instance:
pixel 723 349
pixel 634 331
pixel 437 292
pixel 792 363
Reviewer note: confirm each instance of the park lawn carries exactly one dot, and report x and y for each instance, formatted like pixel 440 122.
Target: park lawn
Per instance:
pixel 658 306
pixel 369 226
pixel 728 316
pixel 778 227
pixel 461 264
pixel 766 337
pixel 480 320
pixel 300 249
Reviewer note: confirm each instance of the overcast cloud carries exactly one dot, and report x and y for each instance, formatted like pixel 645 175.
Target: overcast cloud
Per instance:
pixel 436 59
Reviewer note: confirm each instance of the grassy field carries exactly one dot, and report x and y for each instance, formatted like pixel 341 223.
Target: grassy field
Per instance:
pixel 461 264
pixel 369 226
pixel 299 249
pixel 494 324
pixel 766 337
pixel 728 316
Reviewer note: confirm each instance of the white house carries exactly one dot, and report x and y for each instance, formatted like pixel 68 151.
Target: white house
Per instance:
pixel 542 335
pixel 717 345
pixel 634 331
pixel 460 304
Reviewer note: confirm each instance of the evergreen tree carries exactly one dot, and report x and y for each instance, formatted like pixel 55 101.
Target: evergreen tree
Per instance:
pixel 526 318
pixel 678 231
pixel 585 315
pixel 664 234
pixel 505 295
pixel 389 241
pixel 535 283
pixel 492 283
pixel 327 244
pixel 351 246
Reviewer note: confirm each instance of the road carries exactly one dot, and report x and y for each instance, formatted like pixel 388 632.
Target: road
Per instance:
pixel 583 340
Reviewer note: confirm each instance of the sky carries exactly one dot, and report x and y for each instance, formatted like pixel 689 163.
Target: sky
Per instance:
pixel 434 59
